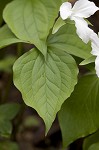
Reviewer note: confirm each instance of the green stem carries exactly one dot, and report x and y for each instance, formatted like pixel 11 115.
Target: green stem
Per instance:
pixel 19 49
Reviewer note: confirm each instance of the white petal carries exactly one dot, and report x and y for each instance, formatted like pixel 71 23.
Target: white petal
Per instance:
pixel 97 65
pixel 95 44
pixel 84 8
pixel 95 49
pixel 94 38
pixel 65 10
pixel 83 30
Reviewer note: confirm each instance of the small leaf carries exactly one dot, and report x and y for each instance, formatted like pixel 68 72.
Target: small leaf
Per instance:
pixel 67 40
pixel 59 23
pixel 7 37
pixel 7 113
pixel 31 20
pixel 45 85
pixel 89 23
pixel 79 114
pixel 88 60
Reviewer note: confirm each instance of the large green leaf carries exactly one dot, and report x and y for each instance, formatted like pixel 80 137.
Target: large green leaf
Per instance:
pixel 31 20
pixel 2 5
pixel 67 40
pixel 7 37
pixel 45 84
pixel 94 138
pixel 79 115
pixel 7 113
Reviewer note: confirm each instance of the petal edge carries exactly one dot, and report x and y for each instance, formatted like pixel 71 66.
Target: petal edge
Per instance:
pixel 65 10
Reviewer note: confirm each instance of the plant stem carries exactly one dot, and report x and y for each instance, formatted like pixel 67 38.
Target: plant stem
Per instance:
pixel 19 49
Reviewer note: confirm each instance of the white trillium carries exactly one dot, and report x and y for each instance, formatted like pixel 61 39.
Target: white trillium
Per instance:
pixel 95 51
pixel 81 9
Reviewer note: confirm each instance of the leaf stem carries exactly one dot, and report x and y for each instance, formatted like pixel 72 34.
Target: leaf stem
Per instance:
pixel 19 49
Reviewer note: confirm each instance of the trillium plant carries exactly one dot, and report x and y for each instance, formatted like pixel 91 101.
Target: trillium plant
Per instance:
pixel 49 75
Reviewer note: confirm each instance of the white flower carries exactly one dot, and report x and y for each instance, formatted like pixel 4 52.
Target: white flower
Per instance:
pixel 95 50
pixel 81 9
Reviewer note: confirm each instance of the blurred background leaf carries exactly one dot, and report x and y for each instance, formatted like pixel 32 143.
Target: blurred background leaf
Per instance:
pixel 7 113
pixel 8 146
pixel 94 146
pixel 7 63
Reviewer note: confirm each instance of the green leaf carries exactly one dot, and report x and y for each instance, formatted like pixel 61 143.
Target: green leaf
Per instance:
pixel 88 60
pixel 94 146
pixel 79 114
pixel 31 121
pixel 8 145
pixel 31 20
pixel 7 63
pixel 45 84
pixel 64 1
pixel 67 40
pixel 7 113
pixel 2 5
pixel 7 37
pixel 59 23
pixel 94 138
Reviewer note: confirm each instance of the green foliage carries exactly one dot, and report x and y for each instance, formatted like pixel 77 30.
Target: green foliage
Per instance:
pixel 2 5
pixel 7 113
pixel 32 20
pixel 7 37
pixel 79 114
pixel 45 84
pixel 64 1
pixel 88 60
pixel 47 74
pixel 94 146
pixel 31 121
pixel 7 63
pixel 90 140
pixel 8 146
pixel 67 40
pixel 59 23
